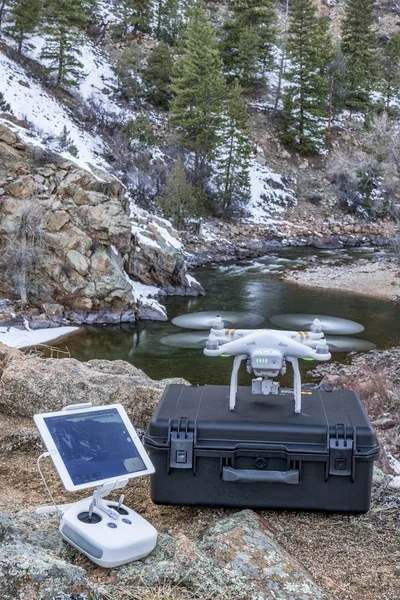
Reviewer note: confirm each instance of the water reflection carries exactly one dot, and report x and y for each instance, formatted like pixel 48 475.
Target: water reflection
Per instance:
pixel 248 286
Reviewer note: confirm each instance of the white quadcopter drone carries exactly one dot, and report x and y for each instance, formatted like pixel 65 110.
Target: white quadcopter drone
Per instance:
pixel 267 350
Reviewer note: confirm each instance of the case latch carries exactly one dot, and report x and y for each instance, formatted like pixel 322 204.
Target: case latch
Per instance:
pixel 181 447
pixel 340 453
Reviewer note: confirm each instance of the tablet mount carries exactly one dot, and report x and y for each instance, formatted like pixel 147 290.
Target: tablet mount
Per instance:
pixel 108 532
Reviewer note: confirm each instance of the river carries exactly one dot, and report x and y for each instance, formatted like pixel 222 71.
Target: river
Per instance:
pixel 253 286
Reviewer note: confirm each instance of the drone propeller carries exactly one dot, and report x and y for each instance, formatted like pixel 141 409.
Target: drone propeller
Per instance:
pixel 198 340
pixel 206 320
pixel 348 344
pixel 334 325
pixel 192 339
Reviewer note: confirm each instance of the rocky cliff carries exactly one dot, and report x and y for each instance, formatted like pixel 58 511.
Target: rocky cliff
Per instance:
pixel 68 234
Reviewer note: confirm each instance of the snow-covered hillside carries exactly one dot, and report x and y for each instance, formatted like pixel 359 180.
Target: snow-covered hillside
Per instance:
pixel 45 114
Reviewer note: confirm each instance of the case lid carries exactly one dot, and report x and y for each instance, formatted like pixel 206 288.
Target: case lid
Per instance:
pixel 262 420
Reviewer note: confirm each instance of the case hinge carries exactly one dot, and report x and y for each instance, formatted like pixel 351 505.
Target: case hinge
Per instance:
pixel 341 453
pixel 181 446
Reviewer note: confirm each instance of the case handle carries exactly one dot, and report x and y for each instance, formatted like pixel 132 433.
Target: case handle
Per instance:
pixel 249 476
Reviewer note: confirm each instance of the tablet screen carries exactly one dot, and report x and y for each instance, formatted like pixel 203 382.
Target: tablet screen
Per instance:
pixel 94 445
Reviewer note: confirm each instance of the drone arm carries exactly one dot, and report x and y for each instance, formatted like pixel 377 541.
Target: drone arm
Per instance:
pixel 234 380
pixel 296 383
pixel 298 350
pixel 236 347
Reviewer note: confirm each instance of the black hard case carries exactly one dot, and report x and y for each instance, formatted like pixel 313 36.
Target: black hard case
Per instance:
pixel 262 454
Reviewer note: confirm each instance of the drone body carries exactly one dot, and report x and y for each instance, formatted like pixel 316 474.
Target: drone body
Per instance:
pixel 267 350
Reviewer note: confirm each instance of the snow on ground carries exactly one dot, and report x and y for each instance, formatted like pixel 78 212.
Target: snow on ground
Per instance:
pixel 99 79
pixel 142 295
pixel 30 102
pixel 17 338
pixel 269 194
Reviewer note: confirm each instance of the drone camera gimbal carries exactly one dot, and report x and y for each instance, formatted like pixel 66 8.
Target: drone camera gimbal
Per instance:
pixel 266 351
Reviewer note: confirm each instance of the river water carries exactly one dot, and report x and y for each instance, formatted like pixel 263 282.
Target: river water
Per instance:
pixel 253 286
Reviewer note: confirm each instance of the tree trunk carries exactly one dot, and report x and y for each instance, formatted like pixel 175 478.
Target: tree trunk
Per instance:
pixel 158 28
pixel 283 59
pixel 2 11
pixel 22 286
pixel 331 104
pixel 20 42
pixel 60 70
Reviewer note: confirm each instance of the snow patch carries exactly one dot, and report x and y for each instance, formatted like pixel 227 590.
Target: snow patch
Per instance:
pixel 142 295
pixel 16 338
pixel 270 196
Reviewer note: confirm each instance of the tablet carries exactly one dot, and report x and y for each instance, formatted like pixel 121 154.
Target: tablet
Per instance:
pixel 92 446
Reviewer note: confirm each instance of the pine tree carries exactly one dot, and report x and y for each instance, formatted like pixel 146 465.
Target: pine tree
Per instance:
pixel 305 100
pixel 157 75
pixel 3 10
pixel 135 16
pixel 248 40
pixel 169 20
pixel 199 87
pixel 128 72
pixel 359 47
pixel 4 106
pixel 179 201
pixel 23 18
pixel 62 48
pixel 390 70
pixel 232 176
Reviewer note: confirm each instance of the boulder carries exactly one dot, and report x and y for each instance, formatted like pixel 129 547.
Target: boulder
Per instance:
pixel 86 220
pixel 31 385
pixel 29 565
pixel 238 558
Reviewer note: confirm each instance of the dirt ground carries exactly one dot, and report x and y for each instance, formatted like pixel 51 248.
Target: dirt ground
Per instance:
pixel 354 557
pixel 378 279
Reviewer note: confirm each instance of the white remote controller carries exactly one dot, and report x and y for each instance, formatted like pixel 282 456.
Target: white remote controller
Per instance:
pixel 108 541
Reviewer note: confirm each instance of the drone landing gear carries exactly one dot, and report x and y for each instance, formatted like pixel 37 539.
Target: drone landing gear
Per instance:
pixel 265 385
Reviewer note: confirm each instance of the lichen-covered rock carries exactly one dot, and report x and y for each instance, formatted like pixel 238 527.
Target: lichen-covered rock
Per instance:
pixel 30 569
pixel 238 557
pixel 31 385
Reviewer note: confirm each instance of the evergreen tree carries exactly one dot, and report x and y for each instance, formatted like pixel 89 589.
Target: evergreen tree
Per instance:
pixel 391 69
pixel 232 177
pixel 179 201
pixel 359 47
pixel 169 20
pixel 305 109
pixel 157 75
pixel 62 49
pixel 135 16
pixel 3 10
pixel 128 72
pixel 248 40
pixel 4 106
pixel 140 132
pixel 199 87
pixel 23 18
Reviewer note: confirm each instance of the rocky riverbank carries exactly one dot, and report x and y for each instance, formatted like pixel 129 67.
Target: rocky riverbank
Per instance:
pixel 201 553
pixel 222 242
pixel 378 278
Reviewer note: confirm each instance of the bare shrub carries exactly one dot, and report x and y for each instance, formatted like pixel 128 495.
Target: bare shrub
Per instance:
pixel 24 250
pixel 368 179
